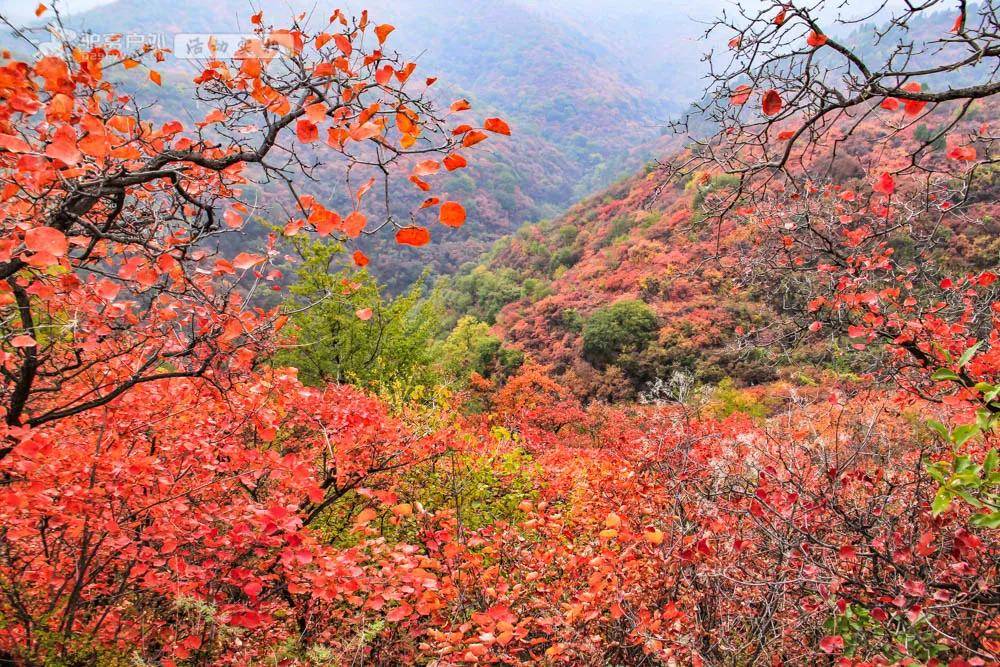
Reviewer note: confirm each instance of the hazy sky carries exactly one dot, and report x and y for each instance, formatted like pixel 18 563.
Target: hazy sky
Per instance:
pixel 23 10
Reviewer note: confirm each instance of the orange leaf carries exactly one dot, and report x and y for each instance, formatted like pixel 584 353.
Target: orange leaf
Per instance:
pixel 360 258
pixel 497 126
pixel 739 96
pixel 415 236
pixel 452 214
pixel 63 146
pixel 426 168
pixel 40 9
pixel 454 161
pixel 406 120
pixel 363 190
pixel 316 112
pixel 343 44
pixel 365 131
pixel 355 223
pixel 404 74
pixel 154 76
pixel 363 314
pixel 245 260
pixel 473 138
pixel 460 105
pixel 382 31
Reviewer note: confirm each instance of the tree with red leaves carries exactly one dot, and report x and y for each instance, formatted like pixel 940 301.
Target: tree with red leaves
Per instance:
pixel 109 278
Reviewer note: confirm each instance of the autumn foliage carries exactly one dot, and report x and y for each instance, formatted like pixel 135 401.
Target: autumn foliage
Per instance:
pixel 171 495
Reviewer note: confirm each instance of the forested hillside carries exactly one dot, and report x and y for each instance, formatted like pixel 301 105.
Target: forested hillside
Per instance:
pixel 638 283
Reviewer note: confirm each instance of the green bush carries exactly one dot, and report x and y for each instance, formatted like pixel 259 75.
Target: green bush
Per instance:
pixel 471 347
pixel 392 348
pixel 623 328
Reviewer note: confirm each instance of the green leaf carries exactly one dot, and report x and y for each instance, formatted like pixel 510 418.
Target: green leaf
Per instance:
pixel 962 433
pixel 991 462
pixel 991 520
pixel 968 497
pixel 939 428
pixel 938 471
pixel 967 355
pixel 963 464
pixel 942 500
pixel 943 374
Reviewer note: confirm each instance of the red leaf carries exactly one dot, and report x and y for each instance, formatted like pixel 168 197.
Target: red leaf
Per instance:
pixel 816 39
pixel 771 103
pixel 306 131
pixel 913 107
pixel 363 314
pixel 343 44
pixel 46 239
pixel 23 340
pixel 739 96
pixel 885 184
pixel 399 613
pixel 452 214
pixel 414 236
pixel 963 153
pixel 360 258
pixel 14 144
pixel 832 644
pixel 232 219
pixel 245 260
pixel 63 146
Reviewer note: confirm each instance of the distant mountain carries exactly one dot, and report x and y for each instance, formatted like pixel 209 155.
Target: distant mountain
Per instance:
pixel 582 114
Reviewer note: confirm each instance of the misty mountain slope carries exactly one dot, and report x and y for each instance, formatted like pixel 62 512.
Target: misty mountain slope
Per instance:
pixel 580 117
